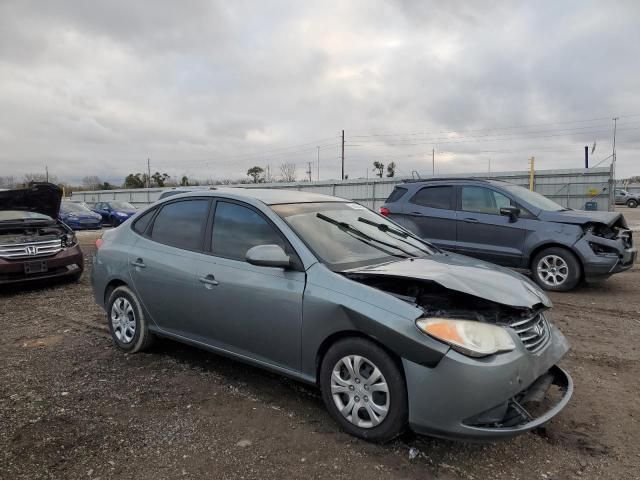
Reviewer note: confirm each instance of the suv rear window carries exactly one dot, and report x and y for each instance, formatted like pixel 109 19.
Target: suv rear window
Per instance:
pixel 396 195
pixel 434 197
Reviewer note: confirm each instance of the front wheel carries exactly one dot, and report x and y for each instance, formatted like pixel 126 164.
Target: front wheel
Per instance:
pixel 364 389
pixel 632 203
pixel 556 269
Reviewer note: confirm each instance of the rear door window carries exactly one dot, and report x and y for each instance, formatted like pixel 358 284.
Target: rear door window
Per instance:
pixel 483 200
pixel 236 229
pixel 434 197
pixel 181 224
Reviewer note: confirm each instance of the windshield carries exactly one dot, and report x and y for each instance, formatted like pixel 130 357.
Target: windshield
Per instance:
pixel 535 199
pixel 121 206
pixel 70 207
pixel 21 216
pixel 348 235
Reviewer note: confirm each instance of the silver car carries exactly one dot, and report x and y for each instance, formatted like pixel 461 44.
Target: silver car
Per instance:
pixel 395 332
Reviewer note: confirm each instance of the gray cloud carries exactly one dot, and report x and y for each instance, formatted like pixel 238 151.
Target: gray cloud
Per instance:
pixel 209 89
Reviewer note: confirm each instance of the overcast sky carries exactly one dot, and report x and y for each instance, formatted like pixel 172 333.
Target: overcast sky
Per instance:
pixel 209 89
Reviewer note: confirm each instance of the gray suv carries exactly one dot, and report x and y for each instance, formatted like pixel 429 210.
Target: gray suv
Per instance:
pixel 629 199
pixel 515 227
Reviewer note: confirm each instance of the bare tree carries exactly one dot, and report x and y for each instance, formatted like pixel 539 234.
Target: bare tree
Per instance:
pixel 288 171
pixel 8 181
pixel 92 182
pixel 38 177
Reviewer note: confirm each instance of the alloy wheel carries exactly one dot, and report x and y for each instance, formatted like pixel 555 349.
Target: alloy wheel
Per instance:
pixel 123 320
pixel 553 270
pixel 360 391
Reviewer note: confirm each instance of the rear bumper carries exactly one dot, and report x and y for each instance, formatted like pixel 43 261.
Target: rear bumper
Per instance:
pixel 95 225
pixel 66 263
pixel 489 398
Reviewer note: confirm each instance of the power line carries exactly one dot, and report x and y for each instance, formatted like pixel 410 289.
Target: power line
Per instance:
pixel 494 128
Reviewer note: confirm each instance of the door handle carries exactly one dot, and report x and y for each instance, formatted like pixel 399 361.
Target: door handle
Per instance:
pixel 417 214
pixel 138 263
pixel 471 220
pixel 209 281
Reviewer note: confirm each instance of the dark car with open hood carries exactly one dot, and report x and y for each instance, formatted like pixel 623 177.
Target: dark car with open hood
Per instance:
pixel 34 243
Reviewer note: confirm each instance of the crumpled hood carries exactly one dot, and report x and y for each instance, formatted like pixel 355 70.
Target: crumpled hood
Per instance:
pixel 41 198
pixel 581 217
pixel 466 275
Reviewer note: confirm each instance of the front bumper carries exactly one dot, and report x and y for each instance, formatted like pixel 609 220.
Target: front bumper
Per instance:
pixel 66 263
pixel 482 399
pixel 617 256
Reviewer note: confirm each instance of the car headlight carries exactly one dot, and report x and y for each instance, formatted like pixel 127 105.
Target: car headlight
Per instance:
pixel 69 240
pixel 472 338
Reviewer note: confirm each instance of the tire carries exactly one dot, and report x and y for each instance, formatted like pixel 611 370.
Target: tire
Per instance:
pixel 127 323
pixel 371 397
pixel 75 278
pixel 632 203
pixel 114 222
pixel 556 269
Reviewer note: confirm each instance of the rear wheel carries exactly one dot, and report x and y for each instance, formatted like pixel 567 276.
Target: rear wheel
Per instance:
pixel 127 323
pixel 364 389
pixel 632 203
pixel 556 269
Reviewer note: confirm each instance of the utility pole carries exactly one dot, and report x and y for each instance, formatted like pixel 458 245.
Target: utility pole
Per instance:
pixel 586 156
pixel 318 163
pixel 46 172
pixel 148 173
pixel 531 172
pixel 342 154
pixel 433 161
pixel 613 154
pixel 309 171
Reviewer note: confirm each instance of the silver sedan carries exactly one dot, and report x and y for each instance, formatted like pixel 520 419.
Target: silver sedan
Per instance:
pixel 395 332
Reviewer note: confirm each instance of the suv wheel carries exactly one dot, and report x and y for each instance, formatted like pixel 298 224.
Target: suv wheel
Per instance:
pixel 127 324
pixel 364 390
pixel 632 203
pixel 556 269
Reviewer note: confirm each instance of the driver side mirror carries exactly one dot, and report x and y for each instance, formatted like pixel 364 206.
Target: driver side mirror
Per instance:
pixel 268 256
pixel 511 212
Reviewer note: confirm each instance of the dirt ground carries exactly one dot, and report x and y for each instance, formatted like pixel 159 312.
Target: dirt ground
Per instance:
pixel 72 406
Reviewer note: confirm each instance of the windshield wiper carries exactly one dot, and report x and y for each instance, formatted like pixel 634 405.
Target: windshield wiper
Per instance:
pixel 363 237
pixel 383 227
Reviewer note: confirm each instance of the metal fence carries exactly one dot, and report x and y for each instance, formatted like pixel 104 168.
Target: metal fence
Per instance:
pixel 571 188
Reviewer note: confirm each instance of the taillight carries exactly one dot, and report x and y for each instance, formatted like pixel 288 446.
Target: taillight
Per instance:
pixel 384 211
pixel 99 243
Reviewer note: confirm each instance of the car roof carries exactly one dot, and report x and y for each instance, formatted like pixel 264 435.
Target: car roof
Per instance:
pixel 268 196
pixel 457 180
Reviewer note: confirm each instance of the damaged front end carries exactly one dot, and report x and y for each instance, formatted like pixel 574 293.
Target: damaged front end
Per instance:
pixel 476 393
pixel 606 249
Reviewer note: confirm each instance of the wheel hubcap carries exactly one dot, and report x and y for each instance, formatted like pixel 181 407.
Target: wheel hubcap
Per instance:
pixel 553 270
pixel 123 320
pixel 360 391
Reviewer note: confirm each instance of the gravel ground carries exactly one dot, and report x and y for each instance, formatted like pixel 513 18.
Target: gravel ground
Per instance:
pixel 72 406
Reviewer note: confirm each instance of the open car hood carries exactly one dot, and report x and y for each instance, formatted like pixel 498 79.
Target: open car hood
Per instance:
pixel 466 275
pixel 582 217
pixel 41 198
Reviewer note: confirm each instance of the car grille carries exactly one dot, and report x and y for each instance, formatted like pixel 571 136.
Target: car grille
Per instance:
pixel 31 249
pixel 533 331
